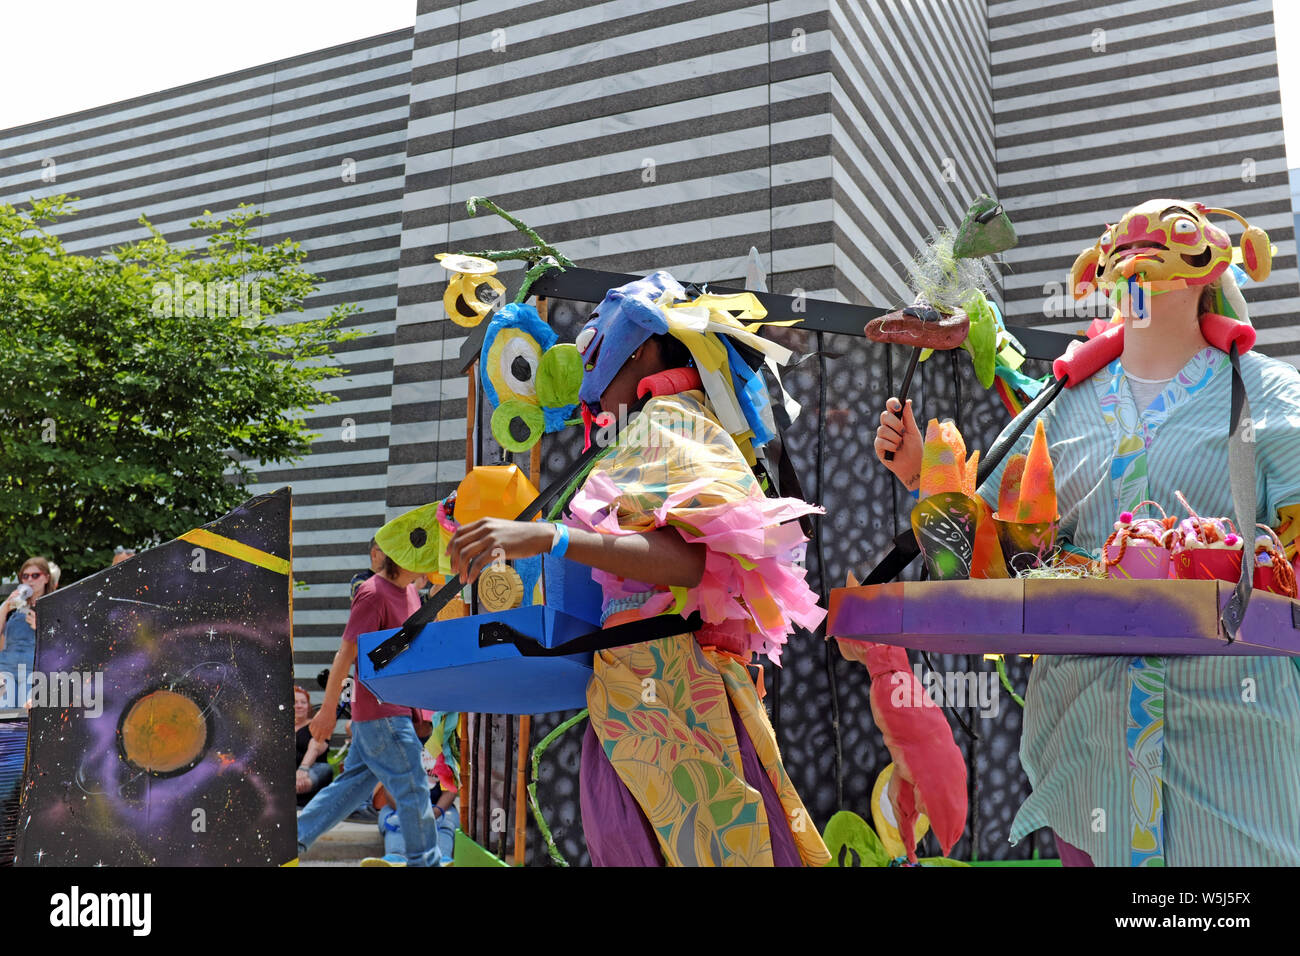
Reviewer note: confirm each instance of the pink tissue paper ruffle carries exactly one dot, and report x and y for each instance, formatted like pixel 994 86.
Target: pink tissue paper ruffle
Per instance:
pixel 752 592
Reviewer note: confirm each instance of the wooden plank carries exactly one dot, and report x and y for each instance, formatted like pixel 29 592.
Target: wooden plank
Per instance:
pixel 963 607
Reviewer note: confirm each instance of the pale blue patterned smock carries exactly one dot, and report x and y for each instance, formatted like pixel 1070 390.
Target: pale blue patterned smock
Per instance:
pixel 1228 771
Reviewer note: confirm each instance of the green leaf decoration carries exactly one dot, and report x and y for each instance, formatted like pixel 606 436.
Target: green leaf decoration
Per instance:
pixel 982 340
pixel 852 842
pixel 532 419
pixel 939 861
pixel 559 376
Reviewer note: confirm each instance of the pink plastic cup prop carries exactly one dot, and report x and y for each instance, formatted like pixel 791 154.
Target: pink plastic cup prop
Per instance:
pixel 1208 564
pixel 944 525
pixel 1026 544
pixel 1140 561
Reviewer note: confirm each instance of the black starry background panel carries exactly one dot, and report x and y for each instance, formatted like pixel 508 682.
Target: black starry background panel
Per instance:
pixel 185 757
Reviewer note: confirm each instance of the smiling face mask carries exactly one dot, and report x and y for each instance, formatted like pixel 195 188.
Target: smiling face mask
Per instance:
pixel 1168 244
pixel 623 321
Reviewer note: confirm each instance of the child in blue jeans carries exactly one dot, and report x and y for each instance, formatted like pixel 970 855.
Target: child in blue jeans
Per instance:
pixel 385 748
pixel 441 766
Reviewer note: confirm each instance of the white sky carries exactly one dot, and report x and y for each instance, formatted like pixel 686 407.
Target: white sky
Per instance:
pixel 1286 23
pixel 103 51
pixel 61 56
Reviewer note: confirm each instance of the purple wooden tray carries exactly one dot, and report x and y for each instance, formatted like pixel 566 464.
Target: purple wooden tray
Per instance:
pixel 1087 616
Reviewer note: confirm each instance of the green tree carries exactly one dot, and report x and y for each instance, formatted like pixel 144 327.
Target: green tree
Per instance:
pixel 138 387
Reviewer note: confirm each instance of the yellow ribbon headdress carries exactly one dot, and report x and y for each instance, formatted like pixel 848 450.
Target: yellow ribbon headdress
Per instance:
pixel 738 395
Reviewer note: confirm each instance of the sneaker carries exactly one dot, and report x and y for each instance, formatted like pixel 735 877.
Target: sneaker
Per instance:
pixel 383 861
pixel 363 815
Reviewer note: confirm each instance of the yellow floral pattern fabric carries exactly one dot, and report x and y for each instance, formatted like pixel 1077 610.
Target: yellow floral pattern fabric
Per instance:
pixel 662 709
pixel 660 712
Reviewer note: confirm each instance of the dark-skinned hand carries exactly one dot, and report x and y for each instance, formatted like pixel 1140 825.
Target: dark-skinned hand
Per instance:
pixel 476 545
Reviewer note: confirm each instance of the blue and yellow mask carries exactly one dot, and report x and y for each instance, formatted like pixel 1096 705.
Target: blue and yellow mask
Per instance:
pixel 624 320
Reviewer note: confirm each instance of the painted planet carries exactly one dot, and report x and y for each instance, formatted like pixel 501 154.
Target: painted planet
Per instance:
pixel 163 733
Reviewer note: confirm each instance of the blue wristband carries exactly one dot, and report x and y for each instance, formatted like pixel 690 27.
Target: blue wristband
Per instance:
pixel 561 544
pixel 916 494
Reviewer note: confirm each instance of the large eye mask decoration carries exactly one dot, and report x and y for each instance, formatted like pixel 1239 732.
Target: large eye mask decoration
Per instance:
pixel 1168 244
pixel 530 381
pixel 472 291
pixel 413 540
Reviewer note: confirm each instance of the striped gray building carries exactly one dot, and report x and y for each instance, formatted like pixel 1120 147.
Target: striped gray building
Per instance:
pixel 833 135
pixel 1098 106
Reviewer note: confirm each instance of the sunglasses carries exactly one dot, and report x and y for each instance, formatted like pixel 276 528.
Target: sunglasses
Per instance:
pixel 32 575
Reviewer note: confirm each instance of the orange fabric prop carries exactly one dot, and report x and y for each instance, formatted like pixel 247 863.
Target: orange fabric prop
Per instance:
pixel 943 459
pixel 493 491
pixel 1009 490
pixel 1038 483
pixel 972 469
pixel 945 468
pixel 987 560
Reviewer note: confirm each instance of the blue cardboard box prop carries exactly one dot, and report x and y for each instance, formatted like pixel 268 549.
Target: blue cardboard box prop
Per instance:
pixel 445 668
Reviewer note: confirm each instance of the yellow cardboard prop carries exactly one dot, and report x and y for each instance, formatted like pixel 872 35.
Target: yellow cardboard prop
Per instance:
pixel 493 491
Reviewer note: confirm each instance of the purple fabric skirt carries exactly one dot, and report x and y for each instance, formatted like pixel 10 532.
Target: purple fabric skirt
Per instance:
pixel 617 831
pixel 1071 855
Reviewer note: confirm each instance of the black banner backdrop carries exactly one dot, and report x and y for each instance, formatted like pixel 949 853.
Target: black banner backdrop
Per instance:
pixel 833 768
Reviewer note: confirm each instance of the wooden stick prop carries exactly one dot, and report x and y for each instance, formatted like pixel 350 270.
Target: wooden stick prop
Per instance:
pixel 920 327
pixel 521 789
pixel 949 277
pixel 526 720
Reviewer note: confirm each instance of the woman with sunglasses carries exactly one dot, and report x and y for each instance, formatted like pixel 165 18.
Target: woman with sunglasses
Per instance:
pixel 18 618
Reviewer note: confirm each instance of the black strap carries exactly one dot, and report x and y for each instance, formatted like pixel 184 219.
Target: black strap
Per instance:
pixel 492 633
pixel 1241 477
pixel 905 547
pixel 896 561
pixel 1005 442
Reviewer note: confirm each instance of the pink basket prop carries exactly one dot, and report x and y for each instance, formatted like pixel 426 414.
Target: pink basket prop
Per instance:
pixel 1207 564
pixel 1137 559
pixel 1264 581
pixel 1141 561
pixel 1266 577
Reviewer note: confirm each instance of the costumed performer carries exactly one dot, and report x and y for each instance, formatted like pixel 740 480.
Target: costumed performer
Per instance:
pixel 680 765
pixel 1179 760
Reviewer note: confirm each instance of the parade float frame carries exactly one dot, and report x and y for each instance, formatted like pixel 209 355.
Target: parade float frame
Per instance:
pixel 479 777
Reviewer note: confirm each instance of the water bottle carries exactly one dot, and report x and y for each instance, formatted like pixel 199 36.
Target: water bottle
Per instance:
pixel 24 592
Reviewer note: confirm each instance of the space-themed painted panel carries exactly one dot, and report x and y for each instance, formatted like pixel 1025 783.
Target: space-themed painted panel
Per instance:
pixel 163 731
